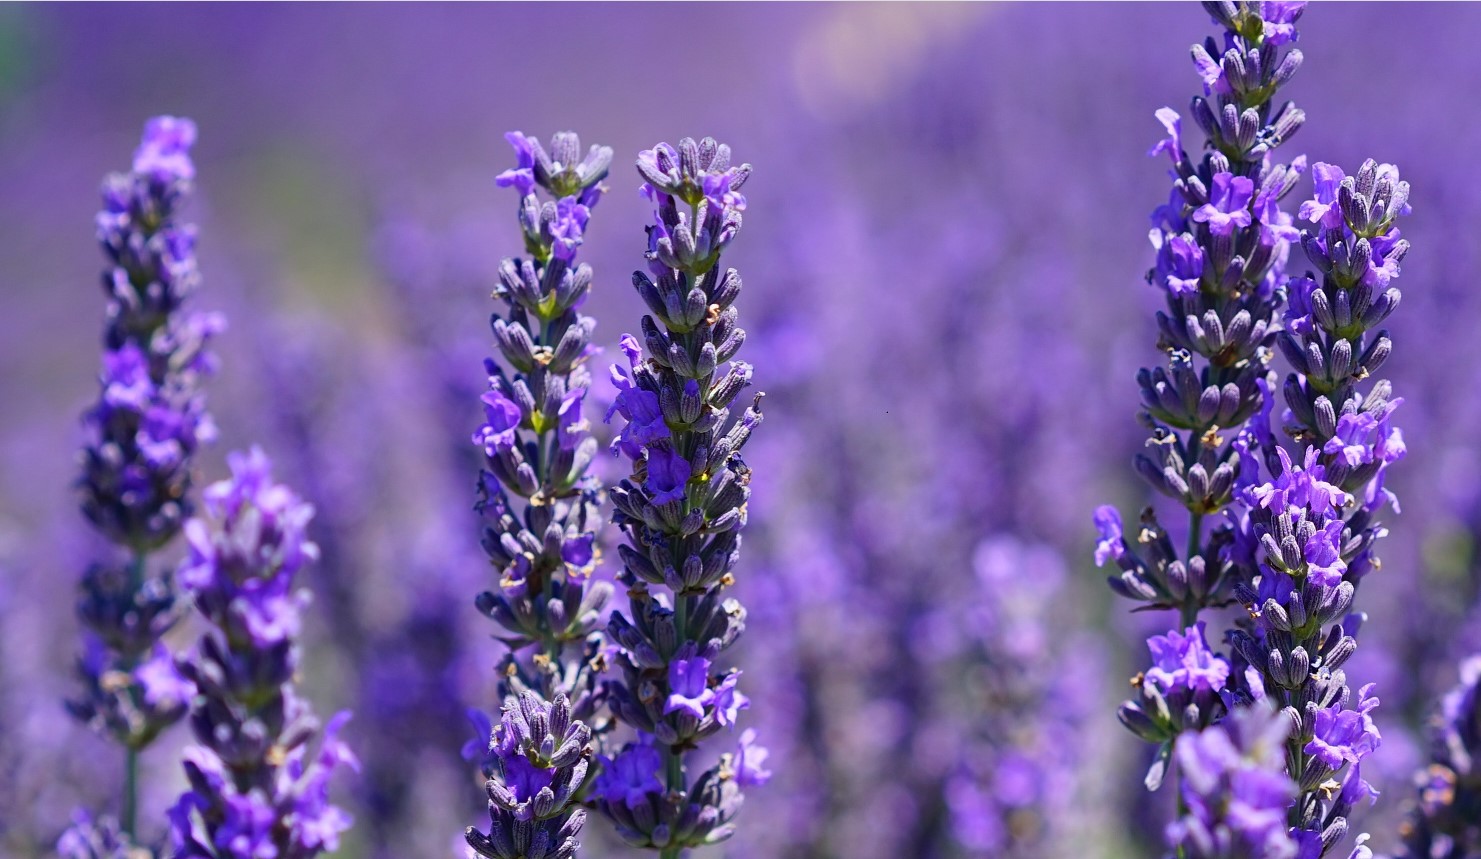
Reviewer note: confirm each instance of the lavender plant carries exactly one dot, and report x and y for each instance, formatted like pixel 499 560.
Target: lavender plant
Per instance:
pixel 256 789
pixel 681 512
pixel 1222 242
pixel 1445 820
pixel 1301 536
pixel 1310 534
pixel 537 442
pixel 1235 788
pixel 539 448
pixel 141 435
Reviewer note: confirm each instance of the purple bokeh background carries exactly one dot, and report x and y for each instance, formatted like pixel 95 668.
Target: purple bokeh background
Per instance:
pixel 943 256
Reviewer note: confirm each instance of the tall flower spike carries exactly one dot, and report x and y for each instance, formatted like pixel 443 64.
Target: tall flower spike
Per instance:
pixel 1221 243
pixel 140 438
pixel 681 510
pixel 542 510
pixel 1312 526
pixel 256 787
pixel 1020 736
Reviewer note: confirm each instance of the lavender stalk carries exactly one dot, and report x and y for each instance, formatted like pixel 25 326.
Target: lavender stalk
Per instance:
pixel 681 512
pixel 1311 531
pixel 1222 242
pixel 141 435
pixel 1297 542
pixel 255 788
pixel 539 448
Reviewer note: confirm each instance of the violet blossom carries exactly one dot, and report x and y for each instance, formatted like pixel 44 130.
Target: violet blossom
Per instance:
pixel 541 507
pixel 257 788
pixel 140 438
pixel 1314 526
pixel 536 765
pixel 682 509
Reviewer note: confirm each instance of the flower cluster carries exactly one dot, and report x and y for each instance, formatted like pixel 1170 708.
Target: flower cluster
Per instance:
pixel 150 417
pixel 1182 691
pixel 140 436
pixel 103 838
pixel 1298 528
pixel 256 789
pixel 1309 535
pixel 1445 822
pixel 541 508
pixel 536 764
pixel 1222 242
pixel 681 511
pixel 1235 789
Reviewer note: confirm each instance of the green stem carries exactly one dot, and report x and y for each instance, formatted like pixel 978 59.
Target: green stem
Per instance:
pixel 673 761
pixel 681 615
pixel 130 812
pixel 1190 607
pixel 131 792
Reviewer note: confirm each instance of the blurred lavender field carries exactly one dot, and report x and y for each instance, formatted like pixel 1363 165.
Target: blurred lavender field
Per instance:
pixel 944 255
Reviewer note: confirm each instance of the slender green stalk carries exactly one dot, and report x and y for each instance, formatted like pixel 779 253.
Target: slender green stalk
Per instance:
pixel 1190 607
pixel 131 792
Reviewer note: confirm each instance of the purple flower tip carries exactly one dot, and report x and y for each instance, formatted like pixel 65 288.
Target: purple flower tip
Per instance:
pixel 1111 545
pixel 164 151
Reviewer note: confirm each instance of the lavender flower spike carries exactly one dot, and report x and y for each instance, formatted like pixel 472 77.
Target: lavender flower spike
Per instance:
pixel 1222 242
pixel 1300 525
pixel 681 510
pixel 1312 527
pixel 140 438
pixel 256 788
pixel 541 507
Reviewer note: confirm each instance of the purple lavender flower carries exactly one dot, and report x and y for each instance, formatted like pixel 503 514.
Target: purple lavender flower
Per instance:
pixel 750 761
pixel 1228 207
pixel 684 505
pixel 140 437
pixel 689 678
pixel 1316 524
pixel 668 476
pixel 151 417
pixel 1221 243
pixel 1293 545
pixel 632 776
pixel 537 763
pixel 103 838
pixel 1235 789
pixel 1184 663
pixel 541 508
pixel 255 788
pixel 1025 704
pixel 1344 736
pixel 1182 691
